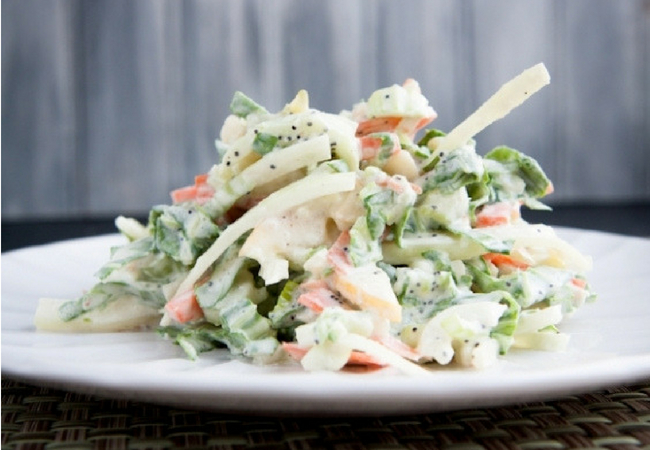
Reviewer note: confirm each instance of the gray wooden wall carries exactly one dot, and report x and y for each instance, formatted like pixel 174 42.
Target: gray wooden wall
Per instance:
pixel 109 104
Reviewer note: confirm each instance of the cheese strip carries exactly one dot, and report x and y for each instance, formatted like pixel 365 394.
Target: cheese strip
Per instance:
pixel 507 98
pixel 297 193
pixel 123 314
pixel 271 167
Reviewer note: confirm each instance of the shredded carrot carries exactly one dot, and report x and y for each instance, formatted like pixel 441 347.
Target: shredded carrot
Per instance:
pixel 370 146
pixel 364 359
pixel 501 213
pixel 579 282
pixel 297 352
pixel 490 221
pixel 424 122
pixel 204 192
pixel 201 178
pixel 184 194
pixel 377 124
pixel 337 254
pixel 500 260
pixel 200 192
pixel 317 296
pixel 184 307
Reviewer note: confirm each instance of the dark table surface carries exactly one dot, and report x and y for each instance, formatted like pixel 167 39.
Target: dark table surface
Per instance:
pixel 36 417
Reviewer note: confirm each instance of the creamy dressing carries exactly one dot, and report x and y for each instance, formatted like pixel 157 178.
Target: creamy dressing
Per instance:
pixel 340 239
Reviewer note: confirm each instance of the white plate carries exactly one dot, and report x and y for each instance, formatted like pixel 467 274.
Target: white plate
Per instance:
pixel 610 345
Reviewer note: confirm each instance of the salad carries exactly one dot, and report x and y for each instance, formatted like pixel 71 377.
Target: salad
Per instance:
pixel 361 238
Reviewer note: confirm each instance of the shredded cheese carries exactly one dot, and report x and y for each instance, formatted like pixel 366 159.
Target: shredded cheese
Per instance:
pixel 507 98
pixel 297 193
pixel 283 161
pixel 124 314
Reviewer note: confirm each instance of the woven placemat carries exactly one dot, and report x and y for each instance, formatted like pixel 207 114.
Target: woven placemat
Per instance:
pixel 42 418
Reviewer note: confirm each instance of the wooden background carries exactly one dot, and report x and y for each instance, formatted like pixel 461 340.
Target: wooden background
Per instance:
pixel 109 104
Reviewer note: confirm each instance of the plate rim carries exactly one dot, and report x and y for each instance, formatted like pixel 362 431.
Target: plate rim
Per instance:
pixel 230 400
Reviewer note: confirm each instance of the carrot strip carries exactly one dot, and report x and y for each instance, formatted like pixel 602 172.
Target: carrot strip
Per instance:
pixel 490 221
pixel 200 192
pixel 184 194
pixel 364 359
pixel 356 358
pixel 184 307
pixel 318 296
pixel 337 254
pixel 201 178
pixel 501 213
pixel 500 260
pixel 377 124
pixel 579 282
pixel 370 146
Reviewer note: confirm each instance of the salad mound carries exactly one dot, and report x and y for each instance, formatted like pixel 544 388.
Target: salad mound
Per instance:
pixel 344 239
